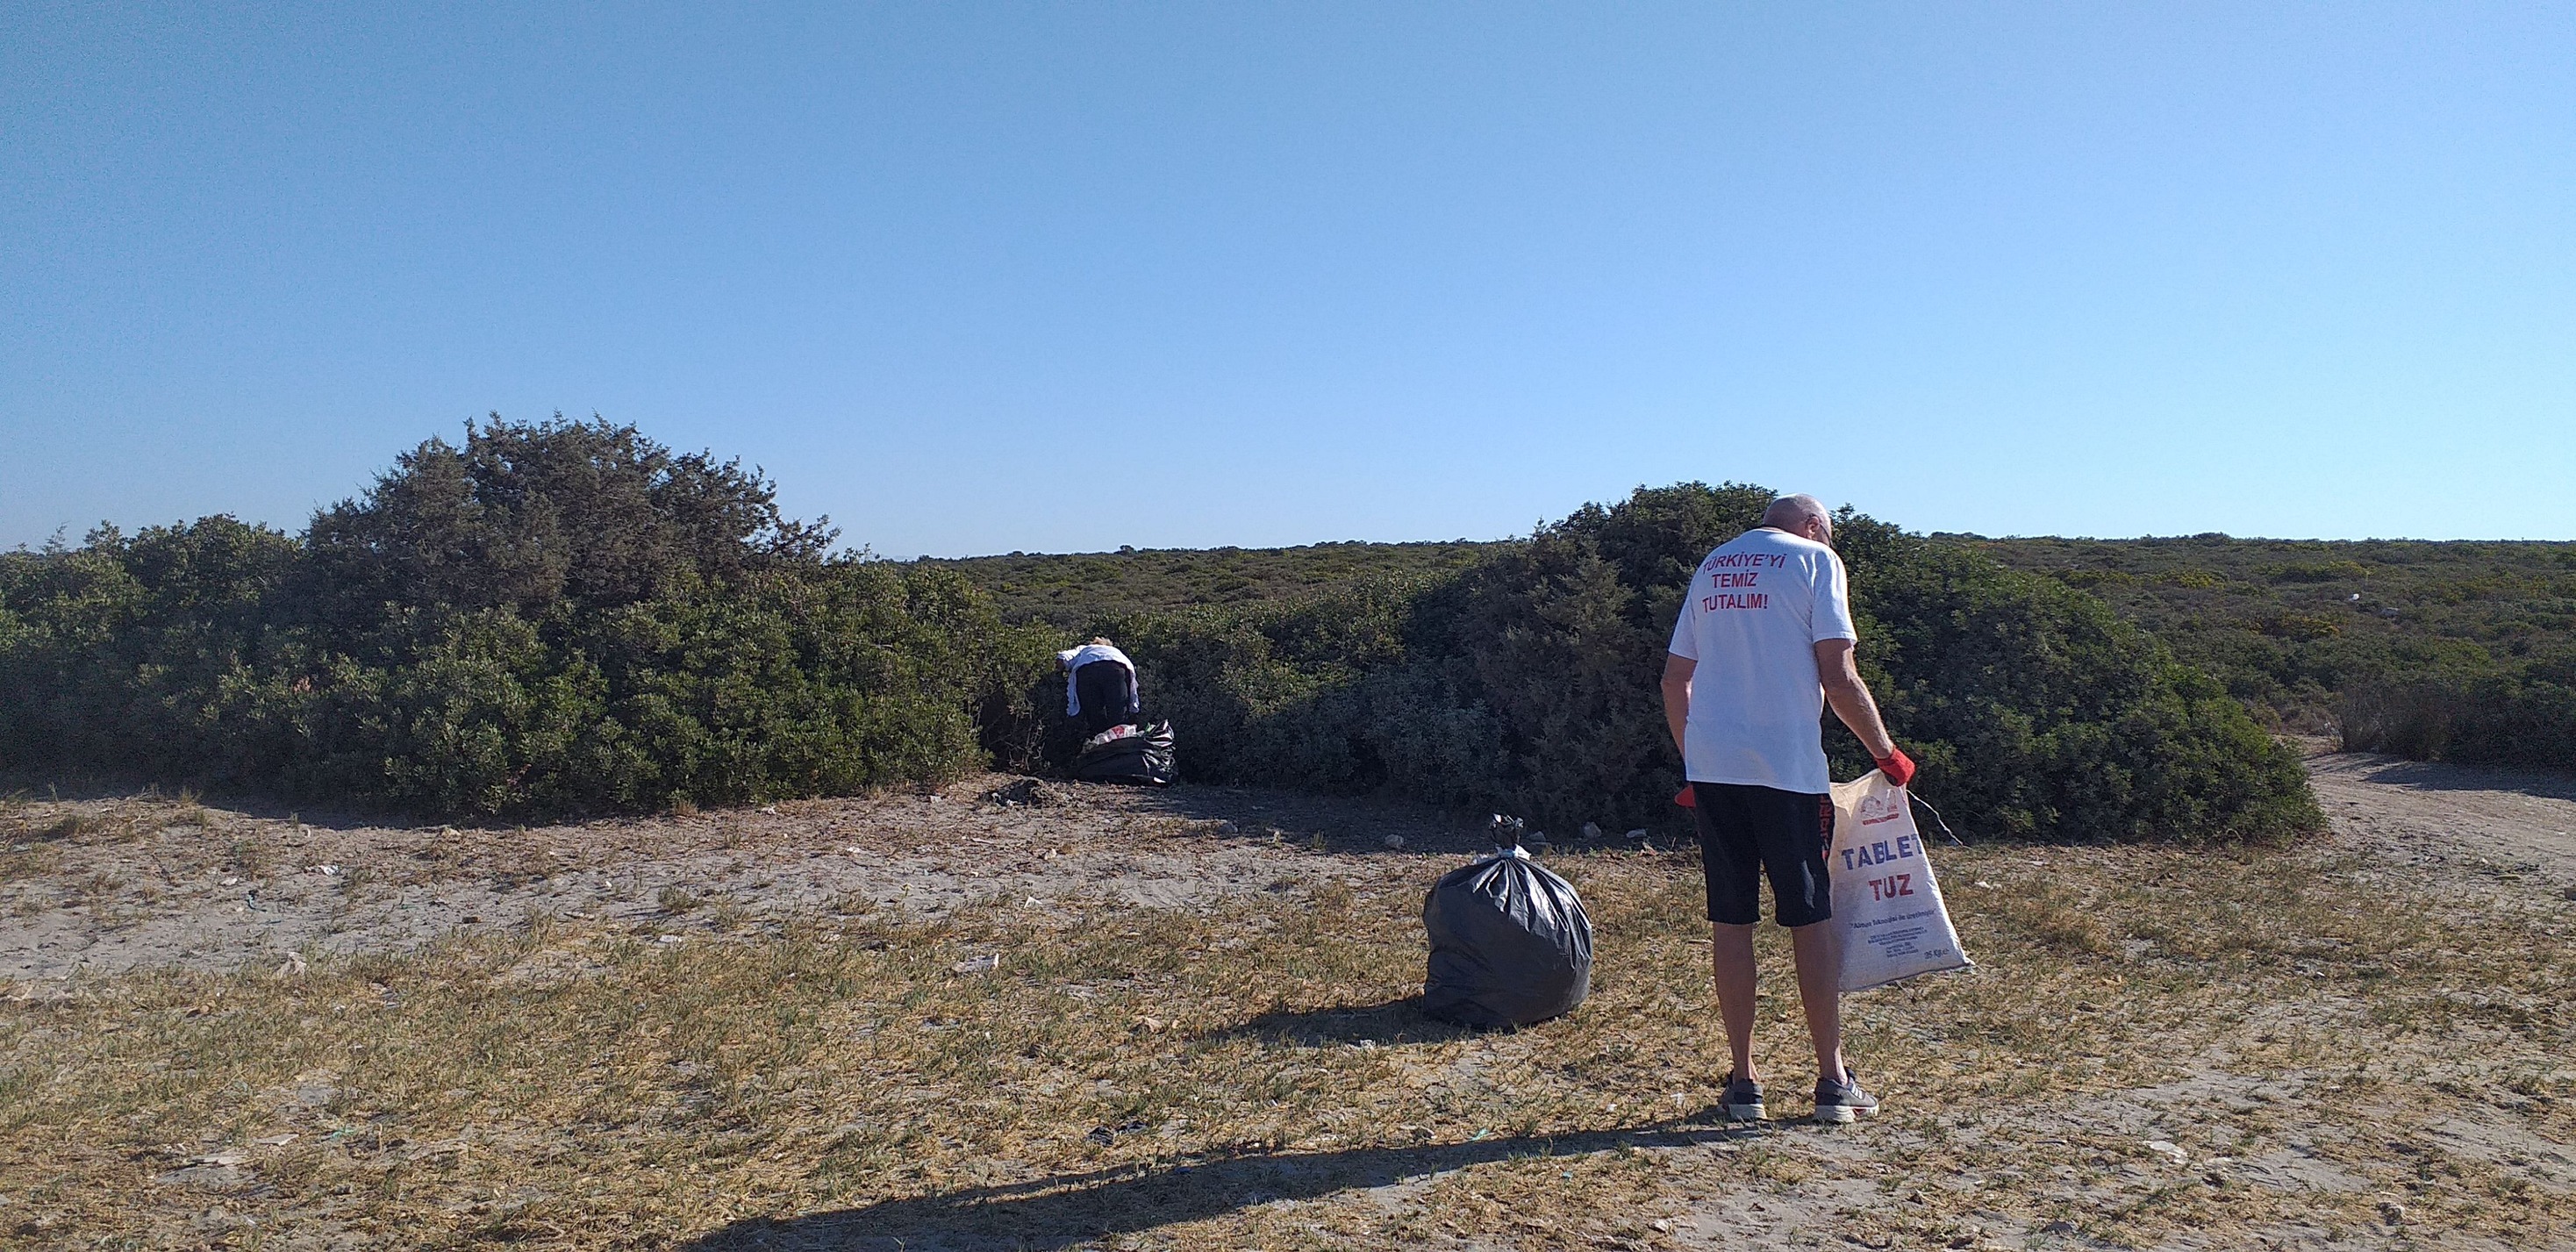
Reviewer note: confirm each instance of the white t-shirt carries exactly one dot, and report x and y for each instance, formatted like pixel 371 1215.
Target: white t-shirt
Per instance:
pixel 1756 610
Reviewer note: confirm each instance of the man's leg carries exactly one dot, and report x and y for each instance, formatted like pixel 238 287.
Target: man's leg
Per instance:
pixel 1731 961
pixel 1820 992
pixel 1102 694
pixel 1839 1098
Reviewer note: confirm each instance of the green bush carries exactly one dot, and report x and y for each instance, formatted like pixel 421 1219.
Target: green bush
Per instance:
pixel 2524 719
pixel 2437 650
pixel 1528 682
pixel 554 618
pixel 564 617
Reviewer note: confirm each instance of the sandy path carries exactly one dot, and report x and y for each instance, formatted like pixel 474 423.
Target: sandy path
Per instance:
pixel 2502 833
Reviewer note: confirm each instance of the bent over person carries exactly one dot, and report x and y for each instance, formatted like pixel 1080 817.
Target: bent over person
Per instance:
pixel 1099 685
pixel 1764 642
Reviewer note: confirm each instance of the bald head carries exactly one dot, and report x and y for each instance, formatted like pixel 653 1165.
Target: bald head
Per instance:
pixel 1792 513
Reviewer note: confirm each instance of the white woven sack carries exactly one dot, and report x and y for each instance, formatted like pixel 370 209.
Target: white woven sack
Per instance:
pixel 1887 906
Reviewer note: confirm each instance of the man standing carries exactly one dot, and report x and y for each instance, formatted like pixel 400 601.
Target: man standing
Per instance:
pixel 1763 644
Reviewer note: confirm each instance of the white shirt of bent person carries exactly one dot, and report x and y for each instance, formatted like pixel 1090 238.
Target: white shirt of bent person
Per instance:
pixel 1757 608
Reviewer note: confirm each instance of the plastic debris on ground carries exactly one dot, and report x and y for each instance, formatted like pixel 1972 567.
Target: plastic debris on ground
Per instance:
pixel 1145 757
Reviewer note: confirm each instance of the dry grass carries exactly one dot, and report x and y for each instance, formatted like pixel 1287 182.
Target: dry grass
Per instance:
pixel 1254 1075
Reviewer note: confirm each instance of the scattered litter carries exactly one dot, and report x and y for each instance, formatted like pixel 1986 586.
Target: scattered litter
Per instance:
pixel 1036 903
pixel 1109 1134
pixel 276 1141
pixel 854 850
pixel 1638 833
pixel 1152 1025
pixel 1135 755
pixel 1393 841
pixel 226 1158
pixel 230 880
pixel 1987 885
pixel 294 966
pixel 670 938
pixel 1032 792
pixel 984 964
pixel 2170 1151
pixel 770 809
pixel 325 870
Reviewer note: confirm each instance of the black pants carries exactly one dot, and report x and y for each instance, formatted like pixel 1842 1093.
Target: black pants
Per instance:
pixel 1746 832
pixel 1107 694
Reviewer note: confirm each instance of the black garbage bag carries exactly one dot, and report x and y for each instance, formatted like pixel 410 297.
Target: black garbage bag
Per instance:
pixel 1510 944
pixel 1144 757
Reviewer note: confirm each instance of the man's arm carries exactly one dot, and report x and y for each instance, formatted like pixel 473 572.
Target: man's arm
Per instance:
pixel 1848 695
pixel 1677 694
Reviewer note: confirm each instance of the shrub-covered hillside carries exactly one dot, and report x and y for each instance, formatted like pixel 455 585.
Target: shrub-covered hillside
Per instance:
pixel 566 617
pixel 1526 681
pixel 2463 651
pixel 553 618
pixel 1068 590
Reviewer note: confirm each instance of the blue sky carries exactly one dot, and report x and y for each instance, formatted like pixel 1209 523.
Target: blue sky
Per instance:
pixel 975 277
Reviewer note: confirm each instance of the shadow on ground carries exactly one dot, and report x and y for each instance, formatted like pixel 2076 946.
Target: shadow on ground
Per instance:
pixel 1391 1023
pixel 92 786
pixel 2444 776
pixel 1353 824
pixel 1055 1212
pixel 1326 823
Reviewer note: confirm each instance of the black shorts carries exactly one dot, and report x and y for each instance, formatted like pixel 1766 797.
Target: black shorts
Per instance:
pixel 1745 830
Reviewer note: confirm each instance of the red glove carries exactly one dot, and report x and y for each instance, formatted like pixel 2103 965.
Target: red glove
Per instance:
pixel 1898 767
pixel 1687 797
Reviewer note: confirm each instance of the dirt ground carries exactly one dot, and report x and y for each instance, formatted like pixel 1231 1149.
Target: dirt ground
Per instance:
pixel 2141 1081
pixel 146 883
pixel 2510 833
pixel 153 884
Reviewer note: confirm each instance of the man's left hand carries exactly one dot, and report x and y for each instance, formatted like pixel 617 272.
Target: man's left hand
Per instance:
pixel 1898 767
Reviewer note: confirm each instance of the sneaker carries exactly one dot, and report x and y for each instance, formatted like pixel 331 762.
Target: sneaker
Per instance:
pixel 1743 1100
pixel 1843 1102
